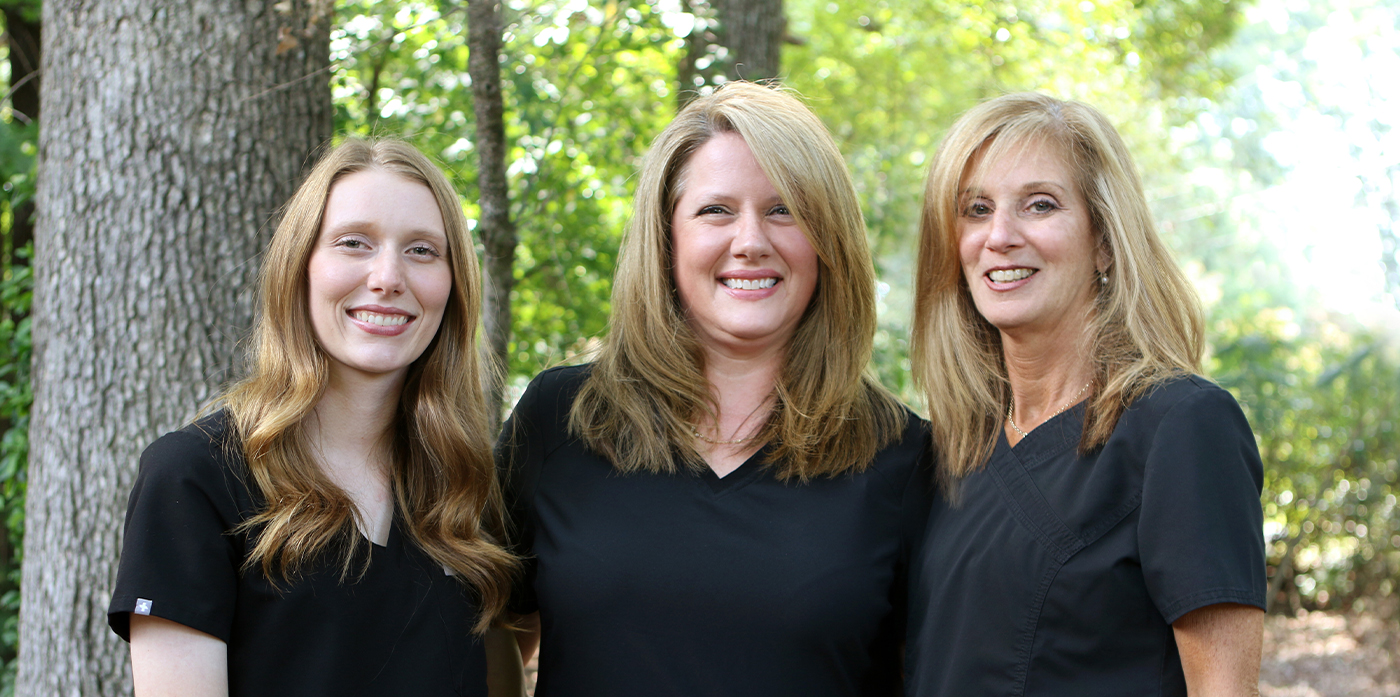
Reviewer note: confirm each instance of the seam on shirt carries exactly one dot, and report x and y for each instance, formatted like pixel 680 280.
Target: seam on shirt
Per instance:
pixel 1024 652
pixel 1060 551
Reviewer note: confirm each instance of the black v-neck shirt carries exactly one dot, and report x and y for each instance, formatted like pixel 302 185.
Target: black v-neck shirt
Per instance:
pixel 403 628
pixel 695 585
pixel 1056 574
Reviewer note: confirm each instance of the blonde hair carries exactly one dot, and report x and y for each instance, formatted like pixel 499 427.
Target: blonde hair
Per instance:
pixel 648 384
pixel 442 475
pixel 1147 324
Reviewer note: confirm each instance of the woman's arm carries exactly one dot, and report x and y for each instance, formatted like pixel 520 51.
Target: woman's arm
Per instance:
pixel 505 672
pixel 1221 647
pixel 528 635
pixel 170 659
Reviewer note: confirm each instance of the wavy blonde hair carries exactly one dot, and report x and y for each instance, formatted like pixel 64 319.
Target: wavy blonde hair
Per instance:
pixel 442 474
pixel 648 384
pixel 1147 324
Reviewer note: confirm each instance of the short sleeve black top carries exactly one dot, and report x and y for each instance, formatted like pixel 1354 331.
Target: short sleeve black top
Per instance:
pixel 403 628
pixel 694 585
pixel 1060 574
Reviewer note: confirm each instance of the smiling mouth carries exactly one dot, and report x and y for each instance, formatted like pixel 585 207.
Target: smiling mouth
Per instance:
pixel 380 319
pixel 1009 275
pixel 749 284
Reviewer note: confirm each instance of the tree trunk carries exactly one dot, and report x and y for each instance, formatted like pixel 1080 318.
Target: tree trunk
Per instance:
pixel 495 229
pixel 172 131
pixel 696 67
pixel 751 34
pixel 753 31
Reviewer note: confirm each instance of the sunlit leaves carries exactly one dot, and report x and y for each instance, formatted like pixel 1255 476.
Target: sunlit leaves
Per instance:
pixel 586 87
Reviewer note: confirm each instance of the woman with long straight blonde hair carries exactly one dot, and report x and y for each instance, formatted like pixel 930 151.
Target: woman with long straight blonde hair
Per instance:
pixel 336 526
pixel 724 502
pixel 1100 529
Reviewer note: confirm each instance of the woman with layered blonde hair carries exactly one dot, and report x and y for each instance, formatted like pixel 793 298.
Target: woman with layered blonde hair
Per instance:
pixel 1100 530
pixel 725 485
pixel 336 526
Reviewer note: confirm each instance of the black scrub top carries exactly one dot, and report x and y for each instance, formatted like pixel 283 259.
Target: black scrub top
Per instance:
pixel 1056 574
pixel 403 628
pixel 698 586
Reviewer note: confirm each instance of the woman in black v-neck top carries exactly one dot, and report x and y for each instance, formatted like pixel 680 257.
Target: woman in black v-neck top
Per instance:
pixel 1100 531
pixel 335 527
pixel 723 504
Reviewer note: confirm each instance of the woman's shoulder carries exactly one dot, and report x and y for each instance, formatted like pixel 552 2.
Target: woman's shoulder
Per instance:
pixel 562 378
pixel 552 392
pixel 908 451
pixel 204 454
pixel 1183 411
pixel 1190 396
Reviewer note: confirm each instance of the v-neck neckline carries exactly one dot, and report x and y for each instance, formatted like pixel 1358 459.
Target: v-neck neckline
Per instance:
pixel 739 476
pixel 1047 439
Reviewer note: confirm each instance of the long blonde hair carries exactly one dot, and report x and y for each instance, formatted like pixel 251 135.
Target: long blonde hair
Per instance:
pixel 648 384
pixel 442 473
pixel 1147 326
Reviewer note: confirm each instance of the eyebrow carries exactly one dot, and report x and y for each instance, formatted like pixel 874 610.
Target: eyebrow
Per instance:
pixel 1043 185
pixel 1028 186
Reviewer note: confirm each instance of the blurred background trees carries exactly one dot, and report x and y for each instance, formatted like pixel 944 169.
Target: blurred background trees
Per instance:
pixel 1265 131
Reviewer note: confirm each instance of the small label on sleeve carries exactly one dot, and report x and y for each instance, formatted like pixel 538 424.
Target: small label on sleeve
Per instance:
pixel 143 606
pixel 447 570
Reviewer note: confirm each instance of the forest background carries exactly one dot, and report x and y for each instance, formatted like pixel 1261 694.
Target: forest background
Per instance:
pixel 1265 130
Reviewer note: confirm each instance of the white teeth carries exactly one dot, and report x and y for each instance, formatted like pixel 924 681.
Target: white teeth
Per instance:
pixel 745 284
pixel 380 320
pixel 1009 275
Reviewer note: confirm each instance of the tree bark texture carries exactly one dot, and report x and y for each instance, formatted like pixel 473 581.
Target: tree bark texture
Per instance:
pixel 495 229
pixel 172 131
pixel 753 32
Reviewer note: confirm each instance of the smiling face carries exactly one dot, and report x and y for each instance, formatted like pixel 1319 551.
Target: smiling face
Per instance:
pixel 744 270
pixel 379 276
pixel 1027 247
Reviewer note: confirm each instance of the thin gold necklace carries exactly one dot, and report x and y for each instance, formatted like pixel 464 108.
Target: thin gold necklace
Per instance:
pixel 695 432
pixel 1073 400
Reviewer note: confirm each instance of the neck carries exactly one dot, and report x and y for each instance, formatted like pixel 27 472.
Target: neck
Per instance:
pixel 739 384
pixel 1047 372
pixel 355 416
pixel 742 388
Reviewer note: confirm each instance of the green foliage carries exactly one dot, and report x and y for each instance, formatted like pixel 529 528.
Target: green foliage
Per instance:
pixel 888 77
pixel 17 177
pixel 587 85
pixel 1322 397
pixel 1319 388
pixel 16 395
pixel 585 88
pixel 28 9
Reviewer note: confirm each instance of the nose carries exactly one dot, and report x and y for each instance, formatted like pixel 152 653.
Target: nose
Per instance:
pixel 751 238
pixel 386 274
pixel 1003 233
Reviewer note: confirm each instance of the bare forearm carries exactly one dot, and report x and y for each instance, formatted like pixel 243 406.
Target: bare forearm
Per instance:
pixel 505 672
pixel 1221 647
pixel 172 660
